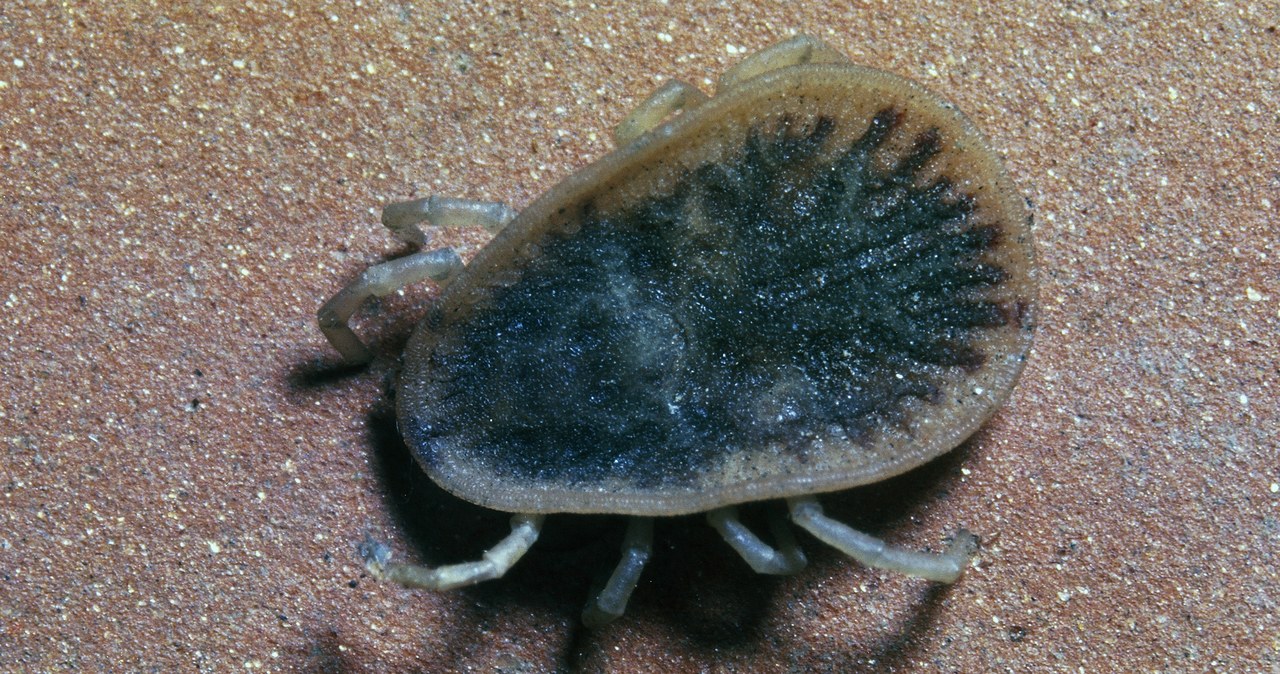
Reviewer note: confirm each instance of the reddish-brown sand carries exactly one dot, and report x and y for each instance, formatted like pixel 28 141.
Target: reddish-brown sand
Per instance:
pixel 187 473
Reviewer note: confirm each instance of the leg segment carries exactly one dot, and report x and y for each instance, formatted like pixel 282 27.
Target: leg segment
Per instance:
pixel 757 553
pixel 871 551
pixel 796 51
pixel 379 280
pixel 403 217
pixel 612 600
pixel 668 98
pixel 495 562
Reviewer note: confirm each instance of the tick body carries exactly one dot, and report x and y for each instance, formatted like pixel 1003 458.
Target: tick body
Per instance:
pixel 816 279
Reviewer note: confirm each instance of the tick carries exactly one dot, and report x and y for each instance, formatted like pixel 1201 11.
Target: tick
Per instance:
pixel 818 278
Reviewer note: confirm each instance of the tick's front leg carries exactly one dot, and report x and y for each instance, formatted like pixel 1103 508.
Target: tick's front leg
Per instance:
pixel 379 280
pixel 403 219
pixel 494 563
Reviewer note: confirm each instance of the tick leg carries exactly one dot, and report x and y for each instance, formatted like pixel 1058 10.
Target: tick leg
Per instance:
pixel 757 553
pixel 798 50
pixel 403 217
pixel 871 551
pixel 495 562
pixel 378 281
pixel 612 600
pixel 668 98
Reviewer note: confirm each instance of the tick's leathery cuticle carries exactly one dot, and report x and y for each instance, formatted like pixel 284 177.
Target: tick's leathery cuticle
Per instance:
pixel 818 278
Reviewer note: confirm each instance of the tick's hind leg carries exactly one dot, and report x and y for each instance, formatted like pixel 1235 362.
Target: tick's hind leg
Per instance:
pixel 798 50
pixel 494 563
pixel 871 551
pixel 759 555
pixel 612 600
pixel 667 99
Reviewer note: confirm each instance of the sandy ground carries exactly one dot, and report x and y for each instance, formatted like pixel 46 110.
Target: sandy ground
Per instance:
pixel 187 473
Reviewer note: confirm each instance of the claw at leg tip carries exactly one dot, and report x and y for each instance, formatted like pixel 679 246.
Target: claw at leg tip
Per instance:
pixel 965 543
pixel 593 617
pixel 375 555
pixel 961 551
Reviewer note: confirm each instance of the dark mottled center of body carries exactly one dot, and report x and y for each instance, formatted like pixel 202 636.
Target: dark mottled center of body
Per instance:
pixel 781 296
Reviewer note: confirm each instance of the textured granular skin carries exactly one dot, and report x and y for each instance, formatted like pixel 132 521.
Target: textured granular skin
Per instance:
pixel 775 298
pixel 818 279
